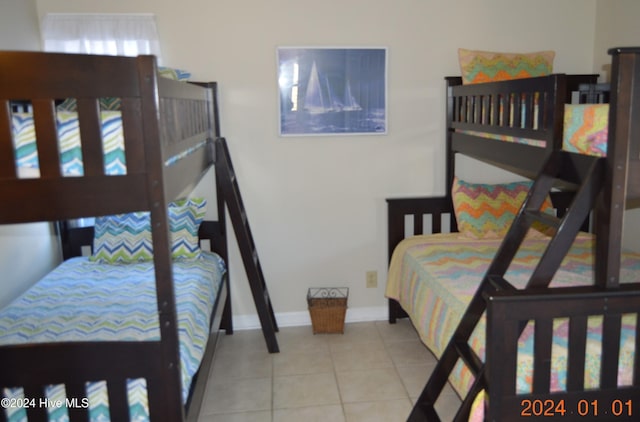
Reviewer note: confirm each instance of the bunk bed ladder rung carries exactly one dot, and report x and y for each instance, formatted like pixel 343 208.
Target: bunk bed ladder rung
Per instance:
pixel 462 415
pixel 231 192
pixel 499 283
pixel 424 411
pixel 543 217
pixel 470 358
pixel 588 173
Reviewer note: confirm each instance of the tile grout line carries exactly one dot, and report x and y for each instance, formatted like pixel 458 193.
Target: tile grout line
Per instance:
pixel 335 377
pixel 395 367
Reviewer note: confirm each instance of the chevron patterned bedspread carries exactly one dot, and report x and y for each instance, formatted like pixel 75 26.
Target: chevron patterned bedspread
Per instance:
pixel 86 301
pixel 434 277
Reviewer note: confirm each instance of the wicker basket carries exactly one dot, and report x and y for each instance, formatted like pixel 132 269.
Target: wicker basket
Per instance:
pixel 328 307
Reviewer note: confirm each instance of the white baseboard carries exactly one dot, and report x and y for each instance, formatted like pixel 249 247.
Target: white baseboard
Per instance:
pixel 296 319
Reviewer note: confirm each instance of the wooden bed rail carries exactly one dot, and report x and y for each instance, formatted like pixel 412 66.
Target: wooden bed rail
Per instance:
pixel 36 365
pixel 438 211
pixel 518 109
pixel 507 313
pixel 523 108
pixel 530 109
pixel 161 119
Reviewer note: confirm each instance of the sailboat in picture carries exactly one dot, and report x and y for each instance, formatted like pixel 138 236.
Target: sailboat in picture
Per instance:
pixel 315 101
pixel 320 97
pixel 350 103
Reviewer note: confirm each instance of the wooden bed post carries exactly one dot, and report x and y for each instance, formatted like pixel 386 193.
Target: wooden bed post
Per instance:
pixel 450 154
pixel 624 126
pixel 164 400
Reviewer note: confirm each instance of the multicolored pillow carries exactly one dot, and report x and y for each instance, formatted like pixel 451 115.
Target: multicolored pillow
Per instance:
pixel 185 217
pixel 126 238
pixel 487 66
pixel 175 74
pixel 122 238
pixel 486 211
pixel 586 128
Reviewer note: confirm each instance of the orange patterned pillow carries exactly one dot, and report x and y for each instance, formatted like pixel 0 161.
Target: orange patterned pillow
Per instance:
pixel 487 66
pixel 486 211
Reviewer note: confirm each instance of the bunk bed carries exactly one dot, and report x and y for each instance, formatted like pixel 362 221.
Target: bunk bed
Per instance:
pixel 500 351
pixel 168 141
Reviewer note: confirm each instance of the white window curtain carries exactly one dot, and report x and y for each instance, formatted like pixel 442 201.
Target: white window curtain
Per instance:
pixel 110 34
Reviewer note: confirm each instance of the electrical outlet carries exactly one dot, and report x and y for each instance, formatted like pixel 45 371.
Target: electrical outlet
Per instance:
pixel 372 279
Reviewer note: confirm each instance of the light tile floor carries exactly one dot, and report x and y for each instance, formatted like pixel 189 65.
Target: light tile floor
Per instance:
pixel 372 372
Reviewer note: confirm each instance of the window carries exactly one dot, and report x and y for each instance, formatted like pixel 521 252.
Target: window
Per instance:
pixel 110 34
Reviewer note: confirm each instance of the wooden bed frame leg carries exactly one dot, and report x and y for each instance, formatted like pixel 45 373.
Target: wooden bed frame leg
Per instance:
pixel 227 319
pixel 395 311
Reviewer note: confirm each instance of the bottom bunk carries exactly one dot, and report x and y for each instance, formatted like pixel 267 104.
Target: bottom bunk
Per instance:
pixel 529 341
pixel 82 342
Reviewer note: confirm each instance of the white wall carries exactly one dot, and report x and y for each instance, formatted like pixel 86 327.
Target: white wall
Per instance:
pixel 19 25
pixel 27 251
pixel 317 205
pixel 617 26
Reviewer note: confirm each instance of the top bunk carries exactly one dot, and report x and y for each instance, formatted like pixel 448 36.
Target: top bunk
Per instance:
pixel 517 124
pixel 153 148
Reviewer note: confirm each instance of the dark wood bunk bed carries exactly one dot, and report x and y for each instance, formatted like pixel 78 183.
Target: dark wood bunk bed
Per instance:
pixel 161 119
pixel 606 185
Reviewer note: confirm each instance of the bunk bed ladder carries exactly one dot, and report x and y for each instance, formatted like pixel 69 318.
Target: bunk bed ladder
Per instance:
pixel 231 192
pixel 586 173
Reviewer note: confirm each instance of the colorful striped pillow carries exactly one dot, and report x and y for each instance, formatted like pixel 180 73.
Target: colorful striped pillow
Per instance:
pixel 486 211
pixel 126 238
pixel 586 128
pixel 185 217
pixel 488 66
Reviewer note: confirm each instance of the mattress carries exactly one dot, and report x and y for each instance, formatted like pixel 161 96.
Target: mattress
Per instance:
pixel 585 130
pixel 83 300
pixel 434 277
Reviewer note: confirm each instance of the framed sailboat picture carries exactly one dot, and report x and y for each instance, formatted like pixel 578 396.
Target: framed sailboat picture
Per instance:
pixel 332 91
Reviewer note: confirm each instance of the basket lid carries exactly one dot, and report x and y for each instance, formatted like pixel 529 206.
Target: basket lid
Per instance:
pixel 328 293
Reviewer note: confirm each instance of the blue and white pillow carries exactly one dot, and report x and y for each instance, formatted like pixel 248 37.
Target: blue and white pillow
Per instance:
pixel 126 238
